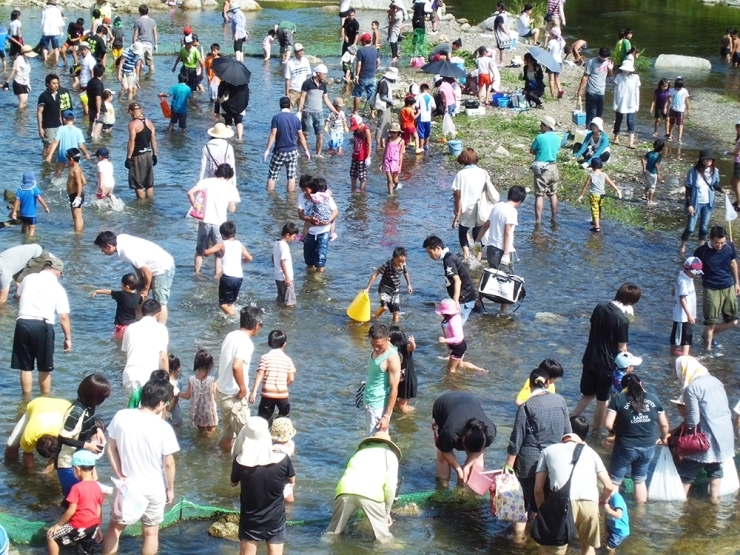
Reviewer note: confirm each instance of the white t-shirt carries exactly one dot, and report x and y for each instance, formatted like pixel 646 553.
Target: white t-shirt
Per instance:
pixel 627 93
pixel 14 28
pixel 678 99
pixel 522 25
pixel 344 5
pixel 426 105
pixel 143 342
pixel 140 252
pixel 281 251
pixel 555 47
pixel 219 193
pixel 267 42
pixel 143 440
pixel 86 68
pixel 556 460
pixel 484 64
pixel 236 345
pixel 702 187
pixel 215 152
pixel 232 259
pixel 22 71
pixel 304 204
pixel 684 288
pixel 503 214
pixel 52 21
pixel 470 181
pixel 41 296
pixel 297 71
pixel 105 170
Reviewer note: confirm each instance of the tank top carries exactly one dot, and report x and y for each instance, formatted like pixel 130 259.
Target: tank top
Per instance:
pixel 143 140
pixel 232 260
pixel 377 387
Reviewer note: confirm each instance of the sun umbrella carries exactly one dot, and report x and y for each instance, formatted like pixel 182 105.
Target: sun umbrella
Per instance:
pixel 231 71
pixel 444 68
pixel 546 59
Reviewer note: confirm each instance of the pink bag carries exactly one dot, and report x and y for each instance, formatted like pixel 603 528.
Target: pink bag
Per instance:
pixel 417 61
pixel 199 211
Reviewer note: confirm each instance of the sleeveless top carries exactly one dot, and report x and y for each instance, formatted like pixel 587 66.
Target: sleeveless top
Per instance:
pixel 203 411
pixel 232 260
pixel 143 139
pixel 377 387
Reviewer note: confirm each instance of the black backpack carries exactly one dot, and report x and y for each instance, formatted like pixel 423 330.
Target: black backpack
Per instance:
pixel 554 524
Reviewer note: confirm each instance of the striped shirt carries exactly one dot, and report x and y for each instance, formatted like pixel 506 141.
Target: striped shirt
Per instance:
pixel 277 366
pixel 553 7
pixel 130 59
pixel 390 278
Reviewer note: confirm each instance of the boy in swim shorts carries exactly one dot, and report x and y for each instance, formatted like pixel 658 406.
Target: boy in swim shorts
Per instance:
pixel 75 187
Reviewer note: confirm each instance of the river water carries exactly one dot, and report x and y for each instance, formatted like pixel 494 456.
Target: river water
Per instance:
pixel 567 271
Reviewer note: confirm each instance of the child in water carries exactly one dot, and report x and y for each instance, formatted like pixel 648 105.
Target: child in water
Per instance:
pixel 389 289
pixel 25 203
pixel 283 432
pixel 127 300
pixel 454 337
pixel 660 105
pixel 595 183
pixel 201 392
pixel 75 187
pixel 173 412
pixel 232 253
pixel 336 126
pixel 651 170
pixel 407 382
pixel 393 156
pixel 679 102
pixel 106 181
pixel 267 44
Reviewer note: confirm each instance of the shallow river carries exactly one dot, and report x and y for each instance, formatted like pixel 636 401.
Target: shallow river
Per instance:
pixel 567 271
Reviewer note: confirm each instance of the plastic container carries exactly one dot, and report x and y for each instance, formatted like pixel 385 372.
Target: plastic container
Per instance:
pixel 456 147
pixel 503 102
pixel 4 542
pixel 359 309
pixel 580 136
pixel 480 481
pixel 479 111
pixel 579 117
pixel 627 192
pixel 496 96
pixel 564 138
pixel 459 62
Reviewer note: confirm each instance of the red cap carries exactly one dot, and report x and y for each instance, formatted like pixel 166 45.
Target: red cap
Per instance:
pixel 366 37
pixel 187 30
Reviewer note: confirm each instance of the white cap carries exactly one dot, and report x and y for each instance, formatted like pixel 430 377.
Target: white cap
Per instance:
pixel 298 46
pixel 321 68
pixel 625 360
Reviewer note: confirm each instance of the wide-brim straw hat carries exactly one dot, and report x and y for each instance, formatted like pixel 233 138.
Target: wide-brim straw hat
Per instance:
pixel 382 437
pixel 221 131
pixel 27 50
pixel 257 444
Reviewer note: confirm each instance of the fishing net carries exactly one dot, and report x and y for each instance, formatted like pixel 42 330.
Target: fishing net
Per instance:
pixel 416 44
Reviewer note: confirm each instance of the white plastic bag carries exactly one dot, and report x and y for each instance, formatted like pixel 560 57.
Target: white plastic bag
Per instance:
pixel 730 483
pixel 730 213
pixel 448 126
pixel 129 503
pixel 665 485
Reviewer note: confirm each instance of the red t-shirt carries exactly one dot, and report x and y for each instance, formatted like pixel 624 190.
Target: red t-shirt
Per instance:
pixel 88 498
pixel 360 148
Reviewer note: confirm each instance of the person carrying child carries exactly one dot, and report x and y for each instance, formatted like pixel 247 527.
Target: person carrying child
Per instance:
pixel 595 183
pixel 80 523
pixel 390 284
pixel 454 337
pixel 201 392
pixel 282 262
pixel 336 126
pixel 407 383
pixel 651 170
pixel 283 432
pixel 277 371
pixel 393 156
pixel 25 203
pixel 232 253
pixel 684 307
pixel 127 301
pixel 75 187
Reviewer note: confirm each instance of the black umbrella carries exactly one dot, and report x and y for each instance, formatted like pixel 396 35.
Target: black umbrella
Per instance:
pixel 231 71
pixel 443 68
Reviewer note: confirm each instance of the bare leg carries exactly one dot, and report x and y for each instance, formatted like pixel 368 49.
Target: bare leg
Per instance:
pixel 443 470
pixel 77 219
pixel 4 295
pixel 714 488
pixel 163 315
pixel 275 548
pixel 379 312
pixel 44 382
pixel 270 184
pixel 27 381
pixel 582 405
pixel 553 208
pixel 319 147
pixel 248 548
pixel 599 415
pixel 111 538
pixel 291 185
pixel 641 494
pixel 151 540
pixel 538 204
pixel 239 131
pixel 227 309
pixel 198 263
pixel 140 194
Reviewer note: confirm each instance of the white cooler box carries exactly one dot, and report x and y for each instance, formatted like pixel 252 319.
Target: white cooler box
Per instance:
pixel 500 287
pixel 479 111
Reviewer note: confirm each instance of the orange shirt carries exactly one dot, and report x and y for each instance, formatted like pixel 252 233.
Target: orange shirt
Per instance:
pixel 407 118
pixel 208 63
pixel 277 366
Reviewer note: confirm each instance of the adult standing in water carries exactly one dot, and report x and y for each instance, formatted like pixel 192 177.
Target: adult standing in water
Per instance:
pixel 285 134
pixel 313 94
pixel 12 261
pixel 607 337
pixel 297 70
pixel 41 296
pixel 383 374
pixel 545 148
pixel 368 62
pixel 20 76
pixel 52 102
pixel 217 151
pixel 141 153
pixel 145 32
pixel 52 26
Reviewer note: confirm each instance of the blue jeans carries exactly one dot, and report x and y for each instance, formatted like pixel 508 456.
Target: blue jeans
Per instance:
pixel 635 459
pixel 618 117
pixel 451 109
pixel 365 86
pixel 313 120
pixel 465 309
pixel 594 106
pixel 701 215
pixel 315 249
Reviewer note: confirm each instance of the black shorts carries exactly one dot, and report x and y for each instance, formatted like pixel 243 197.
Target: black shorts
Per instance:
pixel 247 534
pixel 736 170
pixel 84 539
pixel 20 89
pixel 231 119
pixel 660 115
pixel 267 406
pixel 72 199
pixel 528 493
pixel 596 383
pixel 457 351
pixel 682 334
pixel 239 45
pixel 344 14
pixel 180 119
pixel 33 345
pixel 725 51
pixel 2 54
pixel 736 58
pixel 228 289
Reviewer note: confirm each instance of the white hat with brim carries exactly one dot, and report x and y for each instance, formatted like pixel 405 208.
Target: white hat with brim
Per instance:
pixel 598 122
pixel 391 74
pixel 137 48
pixel 549 121
pixel 221 131
pixel 627 65
pixel 517 61
pixel 382 437
pixel 257 444
pixel 27 50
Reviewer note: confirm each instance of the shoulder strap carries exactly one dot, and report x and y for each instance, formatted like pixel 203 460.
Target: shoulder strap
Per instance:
pixel 531 428
pixel 576 455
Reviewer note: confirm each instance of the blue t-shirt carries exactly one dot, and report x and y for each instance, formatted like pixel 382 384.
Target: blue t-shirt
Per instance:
pixel 619 526
pixel 180 94
pixel 3 40
pixel 69 137
pixel 368 55
pixel 287 125
pixel 652 159
pixel 27 199
pixel 716 266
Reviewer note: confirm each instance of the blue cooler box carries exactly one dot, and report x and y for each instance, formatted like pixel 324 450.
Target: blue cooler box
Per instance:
pixel 579 118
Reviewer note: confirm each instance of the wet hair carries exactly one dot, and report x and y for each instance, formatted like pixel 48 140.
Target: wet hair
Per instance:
pixel 397 336
pixel 717 232
pixel 538 378
pixel 474 436
pixel 319 185
pixel 517 193
pixel 130 280
pixel 433 242
pixel 150 307
pixel 50 78
pixel 93 390
pixel 182 78
pixel 635 391
pixel 143 9
pixel 224 171
pixel 105 239
pixel 227 229
pixel 580 426
pixel 378 331
pixel 628 294
pixel 15 14
pixel 552 368
pixel 604 52
pixel 658 145
pixel 203 360
pixel 678 83
pixel 47 446
pixel 305 182
pixel 155 392
pixel 95 13
pixel 73 154
pixel 250 317
pixel 289 229
pixel 596 163
pixel 99 70
pixel 399 251
pixel 276 339
pixel 468 157
pixel 284 102
pixel 174 363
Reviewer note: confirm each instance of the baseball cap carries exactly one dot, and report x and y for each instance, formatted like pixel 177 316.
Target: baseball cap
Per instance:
pixel 187 30
pixel 298 46
pixel 366 37
pixel 134 106
pixel 694 265
pixel 625 360
pixel 103 152
pixel 354 122
pixel 83 457
pixel 55 264
pixel 68 114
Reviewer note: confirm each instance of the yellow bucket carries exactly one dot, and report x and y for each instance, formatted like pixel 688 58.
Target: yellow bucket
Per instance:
pixel 359 310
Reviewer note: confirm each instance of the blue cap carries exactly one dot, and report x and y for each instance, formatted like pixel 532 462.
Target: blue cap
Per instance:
pixel 83 457
pixel 102 152
pixel 29 179
pixel 68 114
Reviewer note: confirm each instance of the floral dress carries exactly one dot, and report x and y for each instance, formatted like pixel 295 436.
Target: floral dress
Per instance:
pixel 392 158
pixel 203 410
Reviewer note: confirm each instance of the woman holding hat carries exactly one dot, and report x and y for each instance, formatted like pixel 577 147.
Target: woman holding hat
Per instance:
pixel 262 473
pixel 595 145
pixel 21 76
pixel 702 181
pixel 369 483
pixel 384 104
pixel 626 99
pixel 217 151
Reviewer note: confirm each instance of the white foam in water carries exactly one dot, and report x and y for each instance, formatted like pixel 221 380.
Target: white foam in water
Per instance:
pixel 111 203
pixel 59 182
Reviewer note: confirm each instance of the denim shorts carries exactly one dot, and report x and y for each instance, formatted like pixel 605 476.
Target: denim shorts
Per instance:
pixel 688 469
pixel 315 249
pixel 161 286
pixel 50 42
pixel 208 235
pixel 634 459
pixel 366 87
pixel 313 119
pixel 613 540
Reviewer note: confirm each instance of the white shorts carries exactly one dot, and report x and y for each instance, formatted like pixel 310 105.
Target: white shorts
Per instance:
pixel 372 419
pixel 651 181
pixel 154 512
pixel 128 81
